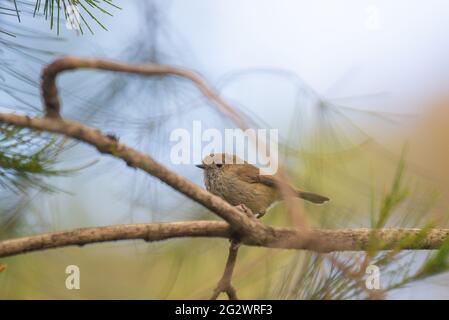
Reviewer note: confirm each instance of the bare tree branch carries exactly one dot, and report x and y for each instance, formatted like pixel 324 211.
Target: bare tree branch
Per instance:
pixel 148 232
pixel 50 91
pixel 320 240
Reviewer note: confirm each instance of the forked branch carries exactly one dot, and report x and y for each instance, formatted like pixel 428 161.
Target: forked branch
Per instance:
pixel 224 285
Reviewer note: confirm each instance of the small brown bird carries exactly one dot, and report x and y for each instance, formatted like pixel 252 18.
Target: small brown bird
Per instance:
pixel 239 182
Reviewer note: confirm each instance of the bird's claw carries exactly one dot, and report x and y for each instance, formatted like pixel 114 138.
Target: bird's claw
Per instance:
pixel 260 214
pixel 247 211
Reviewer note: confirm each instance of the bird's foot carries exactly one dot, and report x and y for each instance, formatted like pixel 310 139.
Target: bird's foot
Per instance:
pixel 247 211
pixel 260 214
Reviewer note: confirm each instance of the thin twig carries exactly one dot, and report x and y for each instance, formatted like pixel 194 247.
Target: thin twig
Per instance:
pixel 224 285
pixel 51 97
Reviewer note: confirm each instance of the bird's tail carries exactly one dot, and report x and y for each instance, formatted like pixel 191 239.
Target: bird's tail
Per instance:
pixel 312 197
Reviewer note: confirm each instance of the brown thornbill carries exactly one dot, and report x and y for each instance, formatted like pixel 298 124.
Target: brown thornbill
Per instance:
pixel 239 182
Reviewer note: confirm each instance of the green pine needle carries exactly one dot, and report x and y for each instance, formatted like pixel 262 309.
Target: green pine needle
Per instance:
pixel 51 11
pixel 26 157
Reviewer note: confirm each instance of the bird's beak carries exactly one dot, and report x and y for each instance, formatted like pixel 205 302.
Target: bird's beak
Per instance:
pixel 201 166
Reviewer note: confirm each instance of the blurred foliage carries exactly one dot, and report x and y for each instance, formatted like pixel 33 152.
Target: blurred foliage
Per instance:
pixel 343 275
pixel 189 269
pixel 25 157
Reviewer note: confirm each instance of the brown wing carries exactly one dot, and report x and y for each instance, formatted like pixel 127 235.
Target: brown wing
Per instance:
pixel 250 174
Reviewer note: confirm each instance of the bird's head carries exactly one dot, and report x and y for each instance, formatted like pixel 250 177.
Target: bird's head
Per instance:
pixel 219 162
